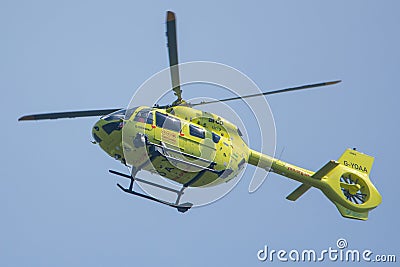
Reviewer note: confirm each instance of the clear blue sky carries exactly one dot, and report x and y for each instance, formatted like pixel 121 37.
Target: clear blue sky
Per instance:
pixel 60 206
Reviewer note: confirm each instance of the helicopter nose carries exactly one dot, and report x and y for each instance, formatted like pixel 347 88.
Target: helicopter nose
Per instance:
pixel 95 131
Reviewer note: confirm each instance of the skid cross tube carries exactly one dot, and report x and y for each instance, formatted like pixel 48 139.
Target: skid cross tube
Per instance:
pixel 144 181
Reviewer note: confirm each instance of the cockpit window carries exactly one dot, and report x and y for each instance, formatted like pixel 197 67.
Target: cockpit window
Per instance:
pixel 129 112
pixel 112 126
pixel 168 122
pixel 117 115
pixel 144 116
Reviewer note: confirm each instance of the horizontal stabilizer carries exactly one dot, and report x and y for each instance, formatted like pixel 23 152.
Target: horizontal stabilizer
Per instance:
pixel 299 191
pixel 325 170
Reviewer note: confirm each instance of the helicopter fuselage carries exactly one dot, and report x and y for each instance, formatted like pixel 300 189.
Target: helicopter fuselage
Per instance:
pixel 189 146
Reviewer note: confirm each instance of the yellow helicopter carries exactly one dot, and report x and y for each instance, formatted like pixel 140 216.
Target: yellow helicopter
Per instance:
pixel 195 148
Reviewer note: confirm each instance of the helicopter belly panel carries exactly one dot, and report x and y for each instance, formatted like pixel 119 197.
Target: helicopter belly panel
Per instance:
pixel 178 166
pixel 185 173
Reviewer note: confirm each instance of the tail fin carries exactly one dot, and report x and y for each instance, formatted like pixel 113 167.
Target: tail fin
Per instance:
pixel 357 161
pixel 346 183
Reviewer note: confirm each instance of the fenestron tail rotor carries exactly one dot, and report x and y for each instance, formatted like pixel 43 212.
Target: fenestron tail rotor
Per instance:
pixel 353 189
pixel 173 56
pixel 68 114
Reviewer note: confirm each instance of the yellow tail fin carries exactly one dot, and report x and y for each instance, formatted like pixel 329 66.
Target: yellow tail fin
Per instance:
pixel 357 160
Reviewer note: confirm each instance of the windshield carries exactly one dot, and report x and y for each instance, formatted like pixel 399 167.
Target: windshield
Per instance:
pixel 144 115
pixel 115 115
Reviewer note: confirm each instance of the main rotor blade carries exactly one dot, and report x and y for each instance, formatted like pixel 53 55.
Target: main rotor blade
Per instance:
pixel 69 114
pixel 173 54
pixel 308 86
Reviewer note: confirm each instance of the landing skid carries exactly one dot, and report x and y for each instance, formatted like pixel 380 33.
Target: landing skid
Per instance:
pixel 180 207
